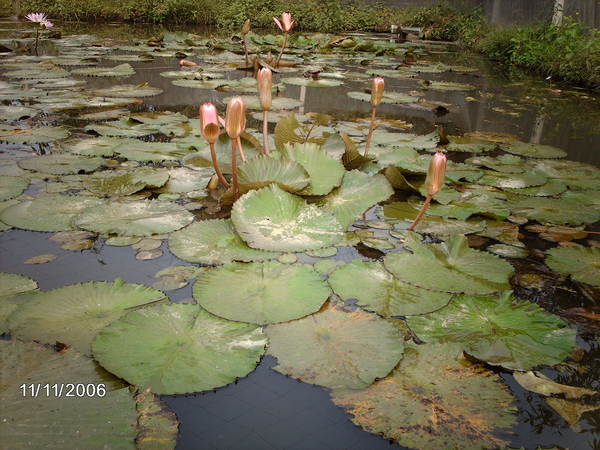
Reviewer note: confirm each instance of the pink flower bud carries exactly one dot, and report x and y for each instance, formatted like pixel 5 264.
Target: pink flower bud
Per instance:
pixel 436 173
pixel 235 117
pixel 246 27
pixel 186 63
pixel 377 90
pixel 286 23
pixel 209 122
pixel 265 85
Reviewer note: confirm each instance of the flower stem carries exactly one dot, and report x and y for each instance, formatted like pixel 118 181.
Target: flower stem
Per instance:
pixel 245 49
pixel 234 177
pixel 239 144
pixel 285 38
pixel 424 209
pixel 37 37
pixel 213 155
pixel 371 129
pixel 266 131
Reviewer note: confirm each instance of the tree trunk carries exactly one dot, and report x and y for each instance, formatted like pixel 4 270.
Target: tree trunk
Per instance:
pixel 557 17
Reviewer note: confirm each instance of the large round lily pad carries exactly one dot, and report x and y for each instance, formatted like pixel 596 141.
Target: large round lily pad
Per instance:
pixel 122 70
pixel 434 400
pixel 261 293
pixel 178 348
pixel 38 420
pixel 12 186
pixel 128 90
pixel 48 212
pixel 74 314
pixel 12 288
pixel 36 135
pixel 450 266
pixel 263 170
pixel 377 290
pixel 61 164
pixel 213 242
pixel 533 150
pixel 553 210
pixel 272 219
pixel 136 218
pixel 336 349
pixel 582 263
pixel 125 182
pixel 253 102
pixel 501 330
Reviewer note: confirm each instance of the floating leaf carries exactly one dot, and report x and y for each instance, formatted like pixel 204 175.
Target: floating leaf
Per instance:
pixel 433 400
pixel 136 218
pixel 128 90
pixel 213 242
pixel 101 146
pixel 41 259
pixel 105 415
pixel 533 150
pixel 17 112
pixel 501 330
pixel 61 164
pixel 125 182
pixel 551 188
pixel 122 70
pixel 310 82
pixel 553 210
pixel 336 349
pixel 388 97
pixel 74 314
pixel 264 170
pixel 157 425
pixel 377 290
pixel 38 135
pixel 508 251
pixel 540 384
pixel 252 102
pixel 581 263
pixel 12 187
pixel 272 219
pixel 261 293
pixel 48 212
pixel 180 347
pixel 451 267
pixel 150 151
pixel 446 86
pixel 512 180
pixel 570 410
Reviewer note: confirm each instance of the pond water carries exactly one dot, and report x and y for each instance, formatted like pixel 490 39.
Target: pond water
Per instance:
pixel 267 409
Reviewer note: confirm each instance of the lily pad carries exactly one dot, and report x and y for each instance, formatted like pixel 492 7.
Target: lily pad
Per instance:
pixel 17 112
pixel 213 242
pixel 150 151
pixel 74 314
pixel 51 420
pixel 451 267
pixel 125 182
pixel 428 403
pixel 135 218
pixel 357 193
pixel 61 164
pixel 157 425
pixel 553 210
pixel 508 251
pixel 309 82
pixel 512 180
pixel 38 135
pixel 325 172
pixel 122 70
pixel 533 150
pixel 128 90
pixel 263 170
pixel 377 290
pixel 582 263
pixel 48 212
pixel 180 347
pixel 261 293
pixel 252 102
pixel 12 187
pixel 101 146
pixel 336 349
pixel 388 97
pixel 272 219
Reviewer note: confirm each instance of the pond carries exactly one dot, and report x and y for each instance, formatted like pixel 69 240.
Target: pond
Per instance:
pixel 308 336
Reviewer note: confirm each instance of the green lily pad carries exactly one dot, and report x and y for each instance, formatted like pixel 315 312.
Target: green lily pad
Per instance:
pixel 263 170
pixel 501 330
pixel 38 135
pixel 553 210
pixel 125 182
pixel 101 146
pixel 61 164
pixel 213 242
pixel 17 112
pixel 309 82
pixel 469 144
pixel 135 218
pixel 178 348
pixel 261 293
pixel 104 417
pixel 512 180
pixel 272 219
pixel 325 172
pixel 388 97
pixel 446 86
pixel 157 425
pixel 74 314
pixel 182 179
pixel 378 291
pixel 508 251
pixel 427 402
pixel 122 70
pixel 357 193
pixel 551 188
pixel 11 187
pixel 451 267
pixel 48 212
pixel 533 150
pixel 128 90
pixel 582 263
pixel 14 289
pixel 504 163
pixel 336 349
pixel 252 102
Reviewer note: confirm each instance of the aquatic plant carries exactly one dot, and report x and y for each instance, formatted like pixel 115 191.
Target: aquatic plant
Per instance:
pixel 245 31
pixel 42 21
pixel 235 124
pixel 265 85
pixel 209 124
pixel 285 25
pixel 376 97
pixel 434 182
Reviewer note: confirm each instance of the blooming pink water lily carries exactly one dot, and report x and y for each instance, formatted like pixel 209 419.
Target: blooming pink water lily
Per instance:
pixel 40 18
pixel 286 23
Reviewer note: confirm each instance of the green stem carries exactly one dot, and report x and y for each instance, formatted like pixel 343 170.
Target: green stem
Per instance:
pixel 234 177
pixel 371 129
pixel 213 155
pixel 424 209
pixel 266 131
pixel 285 38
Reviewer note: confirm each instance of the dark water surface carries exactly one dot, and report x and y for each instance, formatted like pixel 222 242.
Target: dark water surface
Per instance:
pixel 267 410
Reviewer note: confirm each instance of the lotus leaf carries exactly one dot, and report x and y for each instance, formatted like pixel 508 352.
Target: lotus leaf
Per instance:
pixel 553 210
pixel 134 218
pixel 336 349
pixel 125 182
pixel 74 314
pixel 451 267
pixel 16 112
pixel 122 70
pixel 36 135
pixel 582 263
pixel 434 399
pixel 272 219
pixel 61 164
pixel 128 90
pixel 500 330
pixel 178 348
pixel 101 146
pixel 12 187
pixel 533 150
pixel 388 97
pixel 264 170
pixel 252 102
pixel 261 293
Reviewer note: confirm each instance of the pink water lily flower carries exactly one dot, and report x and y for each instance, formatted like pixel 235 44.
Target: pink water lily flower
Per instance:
pixel 40 18
pixel 286 23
